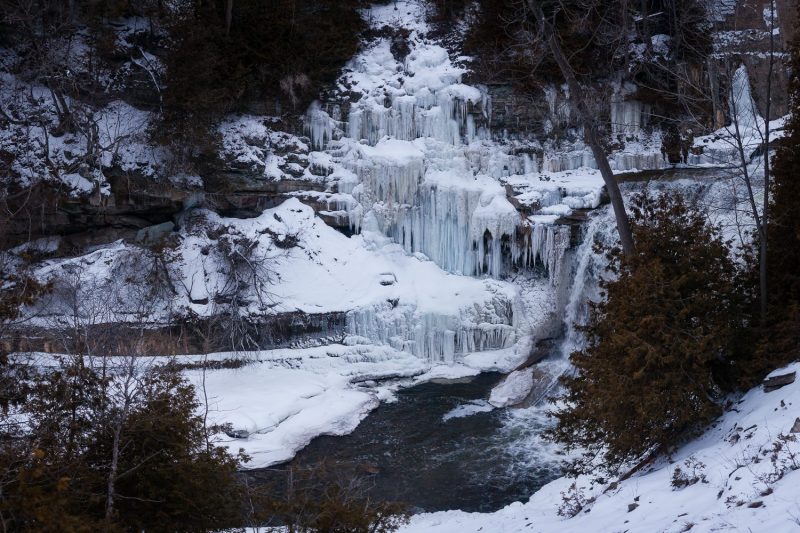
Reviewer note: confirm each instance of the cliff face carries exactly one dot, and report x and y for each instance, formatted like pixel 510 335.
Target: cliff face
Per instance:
pixel 740 34
pixel 105 177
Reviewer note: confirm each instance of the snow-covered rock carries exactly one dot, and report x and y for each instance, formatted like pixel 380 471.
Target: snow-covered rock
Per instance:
pixel 513 389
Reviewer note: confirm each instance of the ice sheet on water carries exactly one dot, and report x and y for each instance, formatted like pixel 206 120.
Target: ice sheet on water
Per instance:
pixel 467 409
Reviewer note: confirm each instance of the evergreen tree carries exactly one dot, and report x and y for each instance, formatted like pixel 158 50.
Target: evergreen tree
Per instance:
pixel 58 453
pixel 660 346
pixel 780 340
pixel 181 483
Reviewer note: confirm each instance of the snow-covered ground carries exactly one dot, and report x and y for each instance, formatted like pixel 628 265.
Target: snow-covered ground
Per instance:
pixel 271 403
pixel 390 297
pixel 285 398
pixel 742 474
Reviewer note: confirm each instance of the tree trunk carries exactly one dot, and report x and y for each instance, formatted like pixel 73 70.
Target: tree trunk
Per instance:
pixel 128 392
pixel 228 16
pixel 762 255
pixel 590 129
pixel 112 474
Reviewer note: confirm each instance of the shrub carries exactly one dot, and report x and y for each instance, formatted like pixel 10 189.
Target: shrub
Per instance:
pixel 326 498
pixel 693 474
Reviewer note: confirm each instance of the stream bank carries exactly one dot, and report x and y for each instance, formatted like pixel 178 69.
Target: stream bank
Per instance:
pixel 440 446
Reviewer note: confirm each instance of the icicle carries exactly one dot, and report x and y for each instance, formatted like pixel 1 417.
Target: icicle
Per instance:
pixel 442 115
pixel 628 117
pixel 319 126
pixel 388 182
pixel 435 337
pixel 548 246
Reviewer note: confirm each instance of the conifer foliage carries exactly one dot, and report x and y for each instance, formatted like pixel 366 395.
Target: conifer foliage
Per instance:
pixel 99 449
pixel 659 350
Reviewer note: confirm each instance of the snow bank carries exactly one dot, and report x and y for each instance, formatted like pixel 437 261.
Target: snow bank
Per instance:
pixel 285 398
pixel 281 399
pixel 743 474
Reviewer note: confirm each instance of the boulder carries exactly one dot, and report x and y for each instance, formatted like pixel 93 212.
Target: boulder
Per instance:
pixel 513 389
pixel 776 382
pixel 238 433
pixel 154 234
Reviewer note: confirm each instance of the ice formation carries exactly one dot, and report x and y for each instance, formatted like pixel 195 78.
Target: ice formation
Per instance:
pixel 747 128
pixel 410 158
pixel 421 169
pixel 432 336
pixel 423 174
pixel 628 116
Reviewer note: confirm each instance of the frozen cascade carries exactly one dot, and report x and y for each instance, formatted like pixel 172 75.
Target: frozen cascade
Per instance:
pixel 441 116
pixel 573 160
pixel 548 245
pixel 487 158
pixel 432 336
pixel 624 161
pixel 628 117
pixel 421 169
pixel 423 195
pixel 319 126
pixel 428 102
pixel 448 225
pixel 473 230
pixel 742 105
pixel 721 148
pixel 389 172
pixel 619 161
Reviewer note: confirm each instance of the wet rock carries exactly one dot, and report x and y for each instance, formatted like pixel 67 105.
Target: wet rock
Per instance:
pixel 796 426
pixel 238 433
pixel 154 234
pixel 776 382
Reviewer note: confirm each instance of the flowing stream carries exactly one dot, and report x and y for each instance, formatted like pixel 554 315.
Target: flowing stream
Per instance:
pixel 415 451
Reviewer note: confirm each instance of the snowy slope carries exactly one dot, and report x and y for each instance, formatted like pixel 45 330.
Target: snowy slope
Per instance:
pixel 328 271
pixel 743 474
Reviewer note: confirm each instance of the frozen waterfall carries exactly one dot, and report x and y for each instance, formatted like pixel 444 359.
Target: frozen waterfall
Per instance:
pixel 432 336
pixel 421 169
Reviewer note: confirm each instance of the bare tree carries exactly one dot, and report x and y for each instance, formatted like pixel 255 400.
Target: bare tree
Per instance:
pixel 245 275
pixel 589 121
pixel 739 139
pixel 764 237
pixel 125 392
pixel 748 137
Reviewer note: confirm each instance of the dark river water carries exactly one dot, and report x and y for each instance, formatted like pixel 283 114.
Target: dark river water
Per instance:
pixel 414 452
